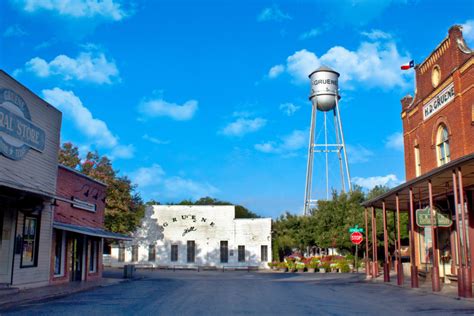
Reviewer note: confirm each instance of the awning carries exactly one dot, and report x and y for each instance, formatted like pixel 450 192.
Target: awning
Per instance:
pixel 442 185
pixel 91 231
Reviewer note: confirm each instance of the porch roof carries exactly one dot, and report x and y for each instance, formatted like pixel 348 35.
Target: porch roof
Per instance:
pixel 441 180
pixel 91 231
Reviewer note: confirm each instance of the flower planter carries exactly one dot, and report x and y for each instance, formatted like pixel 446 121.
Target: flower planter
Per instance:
pixel 283 269
pixel 292 270
pixel 311 270
pixel 322 270
pixel 300 270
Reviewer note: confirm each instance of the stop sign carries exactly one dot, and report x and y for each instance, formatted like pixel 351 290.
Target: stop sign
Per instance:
pixel 356 238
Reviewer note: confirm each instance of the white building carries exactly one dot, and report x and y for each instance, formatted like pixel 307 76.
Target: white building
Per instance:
pixel 196 236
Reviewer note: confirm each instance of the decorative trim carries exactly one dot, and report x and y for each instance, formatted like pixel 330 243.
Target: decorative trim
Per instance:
pixel 438 90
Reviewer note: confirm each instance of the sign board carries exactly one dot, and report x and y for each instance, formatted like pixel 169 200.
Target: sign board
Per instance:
pixel 439 101
pixel 356 238
pixel 83 205
pixel 423 218
pixel 356 228
pixel 29 139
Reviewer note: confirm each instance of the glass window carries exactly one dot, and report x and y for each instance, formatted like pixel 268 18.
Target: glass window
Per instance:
pixel 224 251
pixel 264 253
pixel 191 250
pixel 135 253
pixel 93 248
pixel 241 253
pixel 30 242
pixel 58 252
pixel 121 256
pixel 151 253
pixel 174 253
pixel 442 145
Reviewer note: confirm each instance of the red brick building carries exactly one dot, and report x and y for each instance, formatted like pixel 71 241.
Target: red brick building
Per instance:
pixel 438 123
pixel 438 131
pixel 78 233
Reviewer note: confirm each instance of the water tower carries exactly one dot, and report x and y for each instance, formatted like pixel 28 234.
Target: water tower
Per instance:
pixel 325 98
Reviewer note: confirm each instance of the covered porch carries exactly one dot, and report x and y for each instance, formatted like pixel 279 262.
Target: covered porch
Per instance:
pixel 440 211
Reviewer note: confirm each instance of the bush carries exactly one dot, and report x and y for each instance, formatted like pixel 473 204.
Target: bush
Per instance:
pixel 300 265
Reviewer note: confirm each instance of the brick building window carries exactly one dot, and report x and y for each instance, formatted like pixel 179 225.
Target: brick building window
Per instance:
pixel 442 145
pixel 417 161
pixel 29 251
pixel 135 253
pixel 174 253
pixel 241 253
pixel 151 253
pixel 191 245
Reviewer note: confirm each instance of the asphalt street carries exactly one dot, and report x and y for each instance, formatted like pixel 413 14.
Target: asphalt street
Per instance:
pixel 244 293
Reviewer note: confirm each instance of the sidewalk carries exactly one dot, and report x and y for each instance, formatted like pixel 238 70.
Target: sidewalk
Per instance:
pixel 15 297
pixel 447 290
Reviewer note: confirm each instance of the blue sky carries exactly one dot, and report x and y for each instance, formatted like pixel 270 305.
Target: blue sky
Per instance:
pixel 196 98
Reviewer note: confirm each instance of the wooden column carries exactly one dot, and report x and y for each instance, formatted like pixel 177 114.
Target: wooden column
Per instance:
pixel 414 269
pixel 434 244
pixel 467 267
pixel 374 245
pixel 367 258
pixel 459 251
pixel 399 246
pixel 386 270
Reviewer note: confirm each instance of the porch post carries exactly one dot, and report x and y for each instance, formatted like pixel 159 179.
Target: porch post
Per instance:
pixel 386 271
pixel 414 269
pixel 367 258
pixel 458 239
pixel 467 267
pixel 374 245
pixel 434 244
pixel 399 246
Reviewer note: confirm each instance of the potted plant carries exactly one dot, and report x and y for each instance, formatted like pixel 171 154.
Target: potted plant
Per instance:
pixel 282 267
pixel 343 266
pixel 291 266
pixel 324 267
pixel 300 266
pixel 312 265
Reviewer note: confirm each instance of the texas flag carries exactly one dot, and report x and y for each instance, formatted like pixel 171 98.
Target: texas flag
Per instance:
pixel 409 65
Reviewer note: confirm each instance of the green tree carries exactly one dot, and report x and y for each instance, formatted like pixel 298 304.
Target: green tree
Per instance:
pixel 240 211
pixel 69 155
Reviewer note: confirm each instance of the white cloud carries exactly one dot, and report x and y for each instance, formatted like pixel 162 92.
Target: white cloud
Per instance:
pixel 287 144
pixel 310 34
pixel 122 152
pixel 275 71
pixel 373 64
pixel 153 179
pixel 14 31
pixel 289 108
pixel 358 154
pixel 160 107
pixel 377 35
pixel 94 129
pixel 468 31
pixel 87 66
pixel 106 9
pixel 395 141
pixel 272 14
pixel 242 126
pixel 155 140
pixel 369 183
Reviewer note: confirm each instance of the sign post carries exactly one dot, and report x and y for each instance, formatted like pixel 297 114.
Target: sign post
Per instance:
pixel 356 239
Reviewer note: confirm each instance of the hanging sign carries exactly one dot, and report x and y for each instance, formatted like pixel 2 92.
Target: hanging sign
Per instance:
pixel 423 218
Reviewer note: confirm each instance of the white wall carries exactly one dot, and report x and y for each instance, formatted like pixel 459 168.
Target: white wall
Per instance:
pixel 166 225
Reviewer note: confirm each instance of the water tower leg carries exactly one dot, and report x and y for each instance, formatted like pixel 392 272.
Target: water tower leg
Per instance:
pixel 339 155
pixel 343 144
pixel 309 169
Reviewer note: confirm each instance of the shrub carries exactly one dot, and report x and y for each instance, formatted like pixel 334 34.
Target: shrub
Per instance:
pixel 300 265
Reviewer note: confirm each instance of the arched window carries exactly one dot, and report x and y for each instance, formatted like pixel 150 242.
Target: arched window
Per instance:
pixel 442 145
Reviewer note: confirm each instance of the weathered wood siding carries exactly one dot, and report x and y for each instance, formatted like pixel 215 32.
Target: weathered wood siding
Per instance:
pixel 37 171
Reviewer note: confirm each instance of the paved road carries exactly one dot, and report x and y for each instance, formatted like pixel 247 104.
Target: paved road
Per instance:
pixel 243 293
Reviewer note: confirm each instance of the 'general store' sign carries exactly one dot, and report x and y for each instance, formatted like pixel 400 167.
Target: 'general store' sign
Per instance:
pixel 17 132
pixel 439 101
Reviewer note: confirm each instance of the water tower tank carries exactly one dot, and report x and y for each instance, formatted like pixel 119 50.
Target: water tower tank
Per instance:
pixel 324 88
